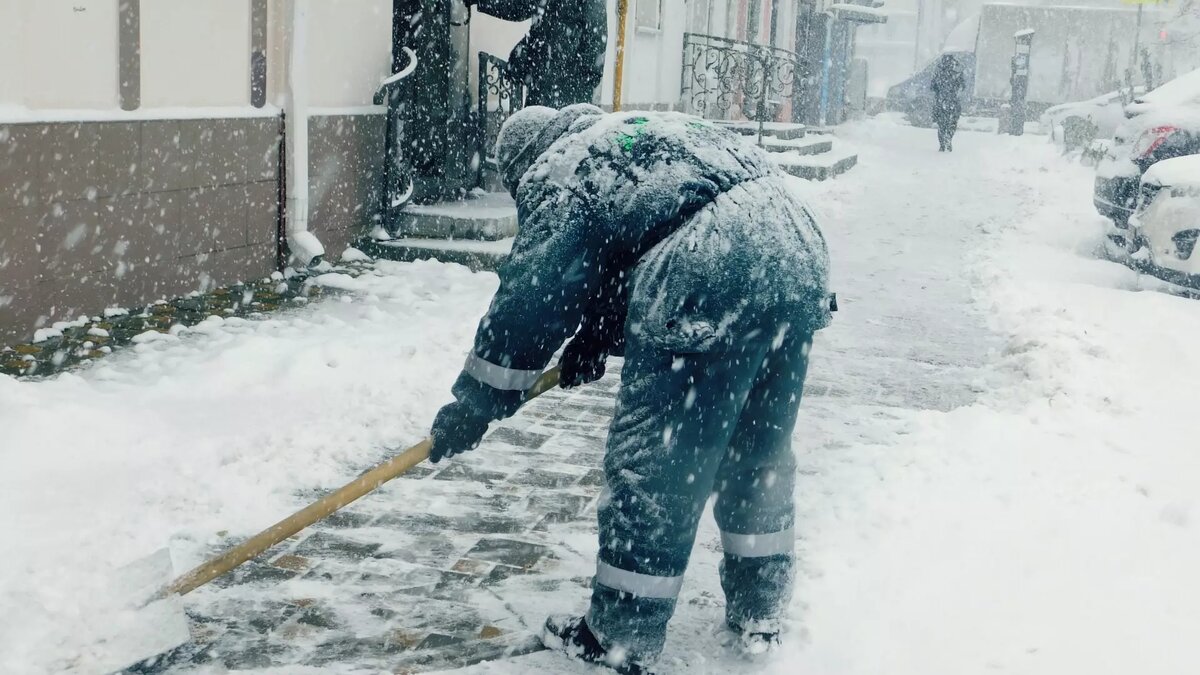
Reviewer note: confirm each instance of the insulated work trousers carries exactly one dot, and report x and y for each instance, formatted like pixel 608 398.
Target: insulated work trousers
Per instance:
pixel 686 426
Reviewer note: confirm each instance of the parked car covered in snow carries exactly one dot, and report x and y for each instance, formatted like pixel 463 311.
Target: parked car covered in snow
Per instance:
pixel 1162 124
pixel 1078 123
pixel 1166 225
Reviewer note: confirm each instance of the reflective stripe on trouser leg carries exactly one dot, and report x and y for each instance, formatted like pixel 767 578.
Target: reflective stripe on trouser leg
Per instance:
pixel 755 491
pixel 499 377
pixel 638 585
pixel 759 545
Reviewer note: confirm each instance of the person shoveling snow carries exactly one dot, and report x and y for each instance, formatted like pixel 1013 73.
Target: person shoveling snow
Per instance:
pixel 675 242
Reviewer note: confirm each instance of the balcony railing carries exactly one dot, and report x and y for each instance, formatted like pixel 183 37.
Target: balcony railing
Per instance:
pixel 732 79
pixel 499 97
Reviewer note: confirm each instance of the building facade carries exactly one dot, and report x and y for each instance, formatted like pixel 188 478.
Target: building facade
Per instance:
pixel 151 148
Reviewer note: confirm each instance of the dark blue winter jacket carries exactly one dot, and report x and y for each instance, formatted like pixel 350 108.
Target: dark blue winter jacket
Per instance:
pixel 602 192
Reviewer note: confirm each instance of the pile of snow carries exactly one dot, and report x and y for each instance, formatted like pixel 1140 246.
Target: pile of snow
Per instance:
pixel 214 430
pixel 1049 528
pixel 1179 91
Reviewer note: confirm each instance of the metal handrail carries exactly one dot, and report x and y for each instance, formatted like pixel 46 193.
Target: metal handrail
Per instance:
pixel 718 71
pixel 494 80
pixel 688 37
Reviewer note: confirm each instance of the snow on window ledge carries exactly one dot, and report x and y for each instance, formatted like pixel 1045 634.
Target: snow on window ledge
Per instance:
pixel 16 114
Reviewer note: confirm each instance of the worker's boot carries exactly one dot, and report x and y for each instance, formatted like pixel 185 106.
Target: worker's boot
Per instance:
pixel 753 640
pixel 571 636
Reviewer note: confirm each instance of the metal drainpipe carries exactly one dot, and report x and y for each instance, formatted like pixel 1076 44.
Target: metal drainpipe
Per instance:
pixel 304 245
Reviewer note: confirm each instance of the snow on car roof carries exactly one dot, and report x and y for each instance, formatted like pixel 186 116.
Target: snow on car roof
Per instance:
pixel 1176 171
pixel 1144 117
pixel 1183 89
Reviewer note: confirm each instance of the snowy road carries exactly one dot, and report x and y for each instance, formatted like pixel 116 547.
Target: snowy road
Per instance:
pixel 998 454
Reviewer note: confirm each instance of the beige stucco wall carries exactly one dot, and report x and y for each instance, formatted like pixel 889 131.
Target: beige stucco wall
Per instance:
pixel 63 53
pixel 653 59
pixel 195 53
pixel 59 53
pixel 349 50
pixel 9 72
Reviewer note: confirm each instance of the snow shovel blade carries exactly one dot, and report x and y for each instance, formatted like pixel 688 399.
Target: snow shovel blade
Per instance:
pixel 132 625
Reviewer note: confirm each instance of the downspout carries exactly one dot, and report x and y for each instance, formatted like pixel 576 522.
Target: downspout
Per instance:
pixel 305 247
pixel 619 67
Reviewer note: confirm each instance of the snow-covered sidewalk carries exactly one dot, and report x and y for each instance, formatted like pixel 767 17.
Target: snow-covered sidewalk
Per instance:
pixel 998 467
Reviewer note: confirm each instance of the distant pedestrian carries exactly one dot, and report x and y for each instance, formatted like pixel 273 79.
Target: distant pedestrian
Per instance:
pixel 948 84
pixel 679 244
pixel 561 60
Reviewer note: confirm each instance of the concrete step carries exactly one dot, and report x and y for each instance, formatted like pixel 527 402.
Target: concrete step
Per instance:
pixel 473 253
pixel 817 167
pixel 799 146
pixel 784 131
pixel 483 215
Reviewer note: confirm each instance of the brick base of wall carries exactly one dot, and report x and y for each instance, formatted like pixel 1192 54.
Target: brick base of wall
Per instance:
pixel 101 214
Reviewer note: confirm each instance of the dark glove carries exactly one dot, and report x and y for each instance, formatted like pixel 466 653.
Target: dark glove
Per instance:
pixel 456 429
pixel 580 365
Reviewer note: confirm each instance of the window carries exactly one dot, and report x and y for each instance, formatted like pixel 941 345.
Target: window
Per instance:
pixel 648 15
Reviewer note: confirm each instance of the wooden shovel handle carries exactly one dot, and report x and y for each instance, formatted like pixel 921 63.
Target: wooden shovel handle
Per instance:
pixel 322 508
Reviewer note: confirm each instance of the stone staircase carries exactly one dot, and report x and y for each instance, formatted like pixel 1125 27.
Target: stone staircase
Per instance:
pixel 478 231
pixel 811 153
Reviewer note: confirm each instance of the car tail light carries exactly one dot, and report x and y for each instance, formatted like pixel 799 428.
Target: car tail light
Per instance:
pixel 1185 243
pixel 1150 141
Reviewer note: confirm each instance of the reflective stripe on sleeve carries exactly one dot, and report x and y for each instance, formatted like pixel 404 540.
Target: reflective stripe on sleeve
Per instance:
pixel 499 377
pixel 759 545
pixel 641 585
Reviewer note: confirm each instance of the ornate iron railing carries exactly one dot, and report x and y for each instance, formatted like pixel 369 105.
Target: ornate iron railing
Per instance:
pixel 733 79
pixel 499 97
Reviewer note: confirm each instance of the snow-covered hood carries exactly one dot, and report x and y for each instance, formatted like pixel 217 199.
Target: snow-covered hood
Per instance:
pixel 1175 172
pixel 556 128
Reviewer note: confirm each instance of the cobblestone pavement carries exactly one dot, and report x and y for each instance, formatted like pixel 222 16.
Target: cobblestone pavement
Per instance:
pixel 419 575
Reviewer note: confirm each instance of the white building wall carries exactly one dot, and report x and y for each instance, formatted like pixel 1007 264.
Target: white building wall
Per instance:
pixel 59 53
pixel 195 53
pixel 350 50
pixel 10 80
pixel 653 57
pixel 63 54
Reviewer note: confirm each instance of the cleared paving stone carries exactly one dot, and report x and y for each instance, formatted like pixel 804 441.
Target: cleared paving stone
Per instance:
pixel 526 440
pixel 448 586
pixel 418 472
pixel 292 562
pixel 502 572
pixel 318 616
pixel 352 649
pixel 414 578
pixel 593 478
pixel 253 572
pixel 325 543
pixel 436 640
pixel 462 472
pixel 511 552
pixel 554 503
pixel 538 478
pixel 431 550
pixel 347 518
